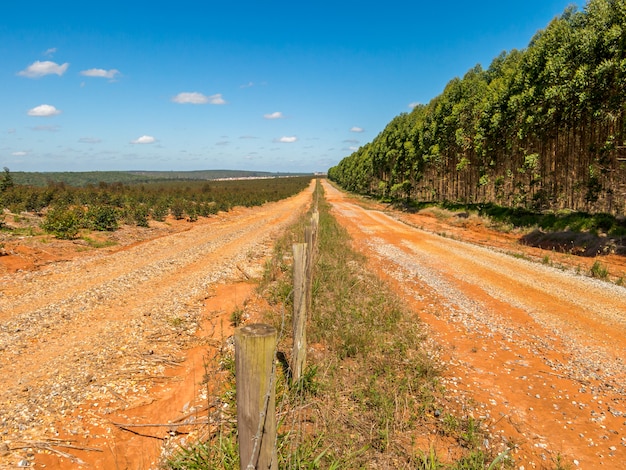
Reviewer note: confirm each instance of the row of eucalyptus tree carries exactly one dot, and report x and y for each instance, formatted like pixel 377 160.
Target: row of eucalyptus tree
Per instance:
pixel 541 128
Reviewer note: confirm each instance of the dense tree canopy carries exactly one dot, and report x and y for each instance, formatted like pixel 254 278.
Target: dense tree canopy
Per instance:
pixel 540 128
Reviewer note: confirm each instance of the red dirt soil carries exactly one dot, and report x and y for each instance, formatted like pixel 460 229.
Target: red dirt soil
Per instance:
pixel 103 433
pixel 506 375
pixel 515 335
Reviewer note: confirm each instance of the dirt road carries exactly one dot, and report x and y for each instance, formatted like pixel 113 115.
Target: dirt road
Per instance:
pixel 536 351
pixel 85 341
pixel 110 336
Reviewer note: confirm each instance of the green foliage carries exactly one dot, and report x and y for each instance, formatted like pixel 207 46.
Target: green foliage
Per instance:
pixel 599 271
pixel 308 383
pixel 102 218
pixel 7 180
pixel 222 453
pixel 541 128
pixel 140 215
pixel 549 221
pixel 64 222
pixel 105 206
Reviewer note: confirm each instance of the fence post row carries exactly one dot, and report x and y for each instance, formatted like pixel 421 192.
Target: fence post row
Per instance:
pixel 255 347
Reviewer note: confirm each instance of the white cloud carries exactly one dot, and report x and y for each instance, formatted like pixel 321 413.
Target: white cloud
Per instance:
pixel 216 99
pixel 144 139
pixel 414 104
pixel 247 85
pixel 45 128
pixel 100 73
pixel 191 98
pixel 276 115
pixel 50 51
pixel 89 140
pixel 43 110
pixel 286 140
pixel 19 154
pixel 198 98
pixel 39 69
pixel 356 129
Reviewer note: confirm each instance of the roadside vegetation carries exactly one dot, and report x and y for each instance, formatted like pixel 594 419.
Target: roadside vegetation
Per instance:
pixel 370 397
pixel 65 210
pixel 574 234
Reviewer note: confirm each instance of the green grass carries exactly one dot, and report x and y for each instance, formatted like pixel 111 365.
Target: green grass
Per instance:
pixel 98 243
pixel 599 271
pixel 508 218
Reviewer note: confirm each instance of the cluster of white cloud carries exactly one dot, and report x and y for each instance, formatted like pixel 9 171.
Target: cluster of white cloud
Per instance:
pixel 42 68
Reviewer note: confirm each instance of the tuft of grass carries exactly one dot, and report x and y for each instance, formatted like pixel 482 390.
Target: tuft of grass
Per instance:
pixel 599 271
pixel 236 317
pixel 429 461
pixel 223 454
pixel 98 243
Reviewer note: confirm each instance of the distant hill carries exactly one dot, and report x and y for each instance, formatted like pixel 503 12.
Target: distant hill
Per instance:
pixel 85 178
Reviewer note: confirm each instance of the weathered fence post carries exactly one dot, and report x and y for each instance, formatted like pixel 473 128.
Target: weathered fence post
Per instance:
pixel 255 346
pixel 298 357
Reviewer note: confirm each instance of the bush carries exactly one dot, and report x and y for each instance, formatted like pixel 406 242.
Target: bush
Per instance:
pixel 102 218
pixel 178 209
pixel 63 222
pixel 160 211
pixel 140 215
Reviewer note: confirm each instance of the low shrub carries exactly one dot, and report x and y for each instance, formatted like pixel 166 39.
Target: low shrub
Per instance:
pixel 64 222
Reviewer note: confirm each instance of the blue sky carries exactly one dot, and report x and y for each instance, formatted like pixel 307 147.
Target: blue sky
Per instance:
pixel 272 86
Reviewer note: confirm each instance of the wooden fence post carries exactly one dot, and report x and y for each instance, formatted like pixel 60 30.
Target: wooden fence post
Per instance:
pixel 255 346
pixel 298 357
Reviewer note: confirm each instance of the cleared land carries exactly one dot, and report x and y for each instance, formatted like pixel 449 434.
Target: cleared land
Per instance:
pixel 118 334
